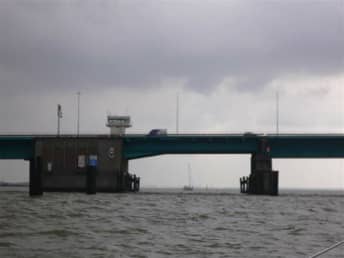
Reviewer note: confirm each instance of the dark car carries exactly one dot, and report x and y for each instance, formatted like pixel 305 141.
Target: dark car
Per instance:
pixel 249 134
pixel 157 132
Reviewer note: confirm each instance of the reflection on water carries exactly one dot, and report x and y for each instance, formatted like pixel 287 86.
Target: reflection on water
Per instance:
pixel 170 223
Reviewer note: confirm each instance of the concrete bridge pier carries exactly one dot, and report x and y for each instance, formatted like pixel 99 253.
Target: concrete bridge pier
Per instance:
pixel 262 180
pixel 91 180
pixel 35 177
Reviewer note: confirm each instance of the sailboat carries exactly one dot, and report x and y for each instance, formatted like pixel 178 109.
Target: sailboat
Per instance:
pixel 189 187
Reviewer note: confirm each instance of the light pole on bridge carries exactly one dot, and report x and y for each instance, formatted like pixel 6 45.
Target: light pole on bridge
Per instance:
pixel 78 115
pixel 59 116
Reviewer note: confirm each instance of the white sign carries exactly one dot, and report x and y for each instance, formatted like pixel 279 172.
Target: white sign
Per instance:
pixel 50 166
pixel 81 161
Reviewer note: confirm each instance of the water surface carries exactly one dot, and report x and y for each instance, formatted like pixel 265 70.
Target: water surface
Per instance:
pixel 170 223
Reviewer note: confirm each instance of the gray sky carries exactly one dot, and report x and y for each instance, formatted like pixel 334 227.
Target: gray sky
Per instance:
pixel 226 59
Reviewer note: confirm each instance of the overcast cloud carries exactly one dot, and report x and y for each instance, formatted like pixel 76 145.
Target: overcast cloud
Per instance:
pixel 77 44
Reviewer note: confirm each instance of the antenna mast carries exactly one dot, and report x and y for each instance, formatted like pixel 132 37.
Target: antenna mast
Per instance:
pixel 59 116
pixel 189 173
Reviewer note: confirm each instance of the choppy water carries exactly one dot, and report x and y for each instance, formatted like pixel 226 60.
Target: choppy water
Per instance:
pixel 170 223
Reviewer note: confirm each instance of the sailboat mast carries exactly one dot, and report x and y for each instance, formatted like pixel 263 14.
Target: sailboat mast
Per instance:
pixel 189 173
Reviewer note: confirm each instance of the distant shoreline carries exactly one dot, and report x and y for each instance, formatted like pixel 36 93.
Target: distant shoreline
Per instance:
pixel 154 188
pixel 8 184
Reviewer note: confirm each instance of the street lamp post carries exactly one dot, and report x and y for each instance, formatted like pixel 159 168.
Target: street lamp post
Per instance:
pixel 277 113
pixel 177 114
pixel 78 118
pixel 59 116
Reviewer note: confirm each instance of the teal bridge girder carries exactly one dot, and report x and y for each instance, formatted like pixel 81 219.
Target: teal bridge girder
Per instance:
pixel 16 147
pixel 140 146
pixel 281 146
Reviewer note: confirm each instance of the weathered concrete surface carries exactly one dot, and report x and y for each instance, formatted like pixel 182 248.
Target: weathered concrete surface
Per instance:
pixel 65 161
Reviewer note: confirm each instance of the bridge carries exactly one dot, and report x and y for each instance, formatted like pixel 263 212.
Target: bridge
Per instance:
pixel 262 147
pixel 140 146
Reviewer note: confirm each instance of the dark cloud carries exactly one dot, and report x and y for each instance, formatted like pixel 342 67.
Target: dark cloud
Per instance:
pixel 139 44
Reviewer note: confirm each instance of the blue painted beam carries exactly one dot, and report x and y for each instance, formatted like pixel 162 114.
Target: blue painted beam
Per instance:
pixel 307 146
pixel 145 146
pixel 281 146
pixel 139 146
pixel 16 147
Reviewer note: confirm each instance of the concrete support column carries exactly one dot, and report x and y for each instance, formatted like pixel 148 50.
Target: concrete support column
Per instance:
pixel 123 179
pixel 35 177
pixel 260 161
pixel 91 180
pixel 263 180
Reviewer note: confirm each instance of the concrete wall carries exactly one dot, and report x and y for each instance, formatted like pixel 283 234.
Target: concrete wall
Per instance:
pixel 63 169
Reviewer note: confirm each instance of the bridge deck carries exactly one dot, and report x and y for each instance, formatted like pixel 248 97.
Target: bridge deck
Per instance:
pixel 281 146
pixel 16 147
pixel 139 146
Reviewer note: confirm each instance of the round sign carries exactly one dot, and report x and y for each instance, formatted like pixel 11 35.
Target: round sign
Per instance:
pixel 111 152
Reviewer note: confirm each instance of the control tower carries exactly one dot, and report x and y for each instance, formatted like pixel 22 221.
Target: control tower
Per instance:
pixel 118 124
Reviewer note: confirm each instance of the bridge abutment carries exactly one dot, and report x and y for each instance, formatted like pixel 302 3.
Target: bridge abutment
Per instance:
pixel 80 164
